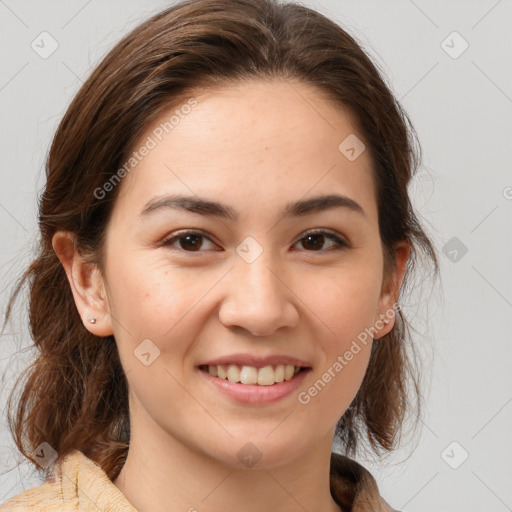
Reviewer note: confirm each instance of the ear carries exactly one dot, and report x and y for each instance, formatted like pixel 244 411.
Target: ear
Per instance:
pixel 86 283
pixel 390 290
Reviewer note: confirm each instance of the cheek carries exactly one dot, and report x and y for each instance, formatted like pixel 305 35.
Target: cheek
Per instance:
pixel 344 302
pixel 149 299
pixel 344 311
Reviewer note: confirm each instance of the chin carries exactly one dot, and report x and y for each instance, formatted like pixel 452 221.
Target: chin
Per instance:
pixel 256 452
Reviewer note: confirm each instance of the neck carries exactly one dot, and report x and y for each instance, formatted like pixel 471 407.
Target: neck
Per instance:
pixel 163 474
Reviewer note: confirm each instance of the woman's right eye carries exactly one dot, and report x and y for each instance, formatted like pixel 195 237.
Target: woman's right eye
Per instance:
pixel 189 241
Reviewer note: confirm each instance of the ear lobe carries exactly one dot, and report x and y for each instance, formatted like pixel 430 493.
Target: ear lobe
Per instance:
pixel 391 289
pixel 87 284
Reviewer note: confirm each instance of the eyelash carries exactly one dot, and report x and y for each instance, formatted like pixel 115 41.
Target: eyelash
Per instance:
pixel 329 234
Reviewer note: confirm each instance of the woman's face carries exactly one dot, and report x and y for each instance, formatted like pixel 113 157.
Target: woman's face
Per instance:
pixel 249 286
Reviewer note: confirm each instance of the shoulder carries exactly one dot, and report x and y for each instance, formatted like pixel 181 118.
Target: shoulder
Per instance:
pixel 77 484
pixel 59 492
pixel 46 497
pixel 354 487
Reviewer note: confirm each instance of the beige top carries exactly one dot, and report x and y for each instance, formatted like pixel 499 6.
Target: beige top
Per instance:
pixel 79 484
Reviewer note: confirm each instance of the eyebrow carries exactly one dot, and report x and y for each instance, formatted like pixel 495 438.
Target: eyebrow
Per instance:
pixel 201 206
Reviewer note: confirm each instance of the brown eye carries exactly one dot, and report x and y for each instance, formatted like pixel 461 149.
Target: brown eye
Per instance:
pixel 189 241
pixel 315 240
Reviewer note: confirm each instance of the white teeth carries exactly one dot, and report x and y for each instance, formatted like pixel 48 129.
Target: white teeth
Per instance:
pixel 248 375
pixel 279 373
pixel 265 376
pixel 288 372
pixel 221 371
pixel 233 373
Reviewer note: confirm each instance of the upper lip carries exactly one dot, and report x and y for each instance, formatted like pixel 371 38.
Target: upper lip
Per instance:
pixel 256 361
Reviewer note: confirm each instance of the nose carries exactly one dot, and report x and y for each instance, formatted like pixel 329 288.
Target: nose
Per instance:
pixel 258 298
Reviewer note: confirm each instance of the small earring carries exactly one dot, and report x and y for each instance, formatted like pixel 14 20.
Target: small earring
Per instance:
pixel 92 320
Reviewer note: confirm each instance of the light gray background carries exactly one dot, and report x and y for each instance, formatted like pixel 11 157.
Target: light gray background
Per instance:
pixel 462 110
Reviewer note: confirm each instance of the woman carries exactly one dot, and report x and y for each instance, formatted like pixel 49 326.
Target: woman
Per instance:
pixel 225 234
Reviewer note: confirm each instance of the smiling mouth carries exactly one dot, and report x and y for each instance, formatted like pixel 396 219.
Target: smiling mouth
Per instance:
pixel 265 376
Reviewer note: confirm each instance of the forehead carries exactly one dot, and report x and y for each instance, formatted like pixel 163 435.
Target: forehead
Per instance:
pixel 260 141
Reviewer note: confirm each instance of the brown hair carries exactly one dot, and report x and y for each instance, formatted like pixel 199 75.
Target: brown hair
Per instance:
pixel 75 394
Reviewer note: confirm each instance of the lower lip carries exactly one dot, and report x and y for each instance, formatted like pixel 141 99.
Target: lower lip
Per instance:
pixel 254 393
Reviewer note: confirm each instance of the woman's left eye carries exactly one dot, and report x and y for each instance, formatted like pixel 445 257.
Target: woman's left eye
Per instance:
pixel 191 241
pixel 317 237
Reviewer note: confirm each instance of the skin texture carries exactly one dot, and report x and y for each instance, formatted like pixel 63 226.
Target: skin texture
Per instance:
pixel 254 147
